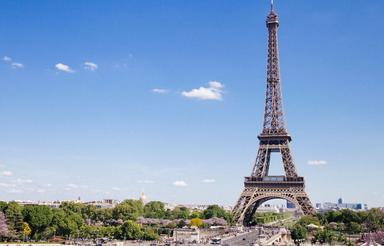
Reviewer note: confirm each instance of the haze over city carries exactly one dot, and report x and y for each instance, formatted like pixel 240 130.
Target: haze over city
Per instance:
pixel 166 97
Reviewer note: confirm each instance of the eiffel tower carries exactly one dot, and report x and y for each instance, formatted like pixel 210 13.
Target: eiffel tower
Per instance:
pixel 260 187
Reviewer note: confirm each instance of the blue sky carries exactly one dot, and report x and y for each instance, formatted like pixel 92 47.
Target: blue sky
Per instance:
pixel 97 98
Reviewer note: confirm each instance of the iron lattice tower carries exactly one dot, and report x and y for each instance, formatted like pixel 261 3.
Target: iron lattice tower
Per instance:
pixel 259 187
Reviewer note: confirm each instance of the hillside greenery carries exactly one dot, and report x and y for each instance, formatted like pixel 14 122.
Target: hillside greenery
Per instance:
pixel 75 220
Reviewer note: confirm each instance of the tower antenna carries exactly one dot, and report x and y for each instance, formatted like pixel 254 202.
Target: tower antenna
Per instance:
pixel 271 5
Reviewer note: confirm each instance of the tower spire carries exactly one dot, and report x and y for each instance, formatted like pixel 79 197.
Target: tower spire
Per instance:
pixel 271 5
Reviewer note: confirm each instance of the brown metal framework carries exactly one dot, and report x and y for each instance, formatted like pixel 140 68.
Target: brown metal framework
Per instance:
pixel 259 187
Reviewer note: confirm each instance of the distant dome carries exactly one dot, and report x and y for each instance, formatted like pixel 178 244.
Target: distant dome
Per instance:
pixel 142 197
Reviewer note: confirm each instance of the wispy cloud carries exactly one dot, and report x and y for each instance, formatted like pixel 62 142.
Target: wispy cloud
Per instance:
pixel 64 68
pixel 13 64
pixel 16 191
pixel 90 66
pixel 6 173
pixel 145 181
pixel 73 186
pixel 23 181
pixel 214 91
pixel 17 65
pixel 208 180
pixel 160 91
pixel 7 59
pixel 317 162
pixel 7 185
pixel 180 183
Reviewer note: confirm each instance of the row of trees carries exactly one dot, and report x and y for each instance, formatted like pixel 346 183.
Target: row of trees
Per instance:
pixel 268 217
pixel 334 225
pixel 74 220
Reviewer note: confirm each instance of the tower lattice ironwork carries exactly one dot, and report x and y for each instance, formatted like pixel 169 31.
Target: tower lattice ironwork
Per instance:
pixel 259 187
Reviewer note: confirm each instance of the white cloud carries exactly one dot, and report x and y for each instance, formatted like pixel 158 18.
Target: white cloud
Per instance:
pixel 214 91
pixel 146 181
pixel 317 162
pixel 17 65
pixel 116 189
pixel 64 68
pixel 6 173
pixel 7 185
pixel 90 66
pixel 13 64
pixel 160 91
pixel 73 186
pixel 15 191
pixel 180 183
pixel 7 59
pixel 23 181
pixel 209 180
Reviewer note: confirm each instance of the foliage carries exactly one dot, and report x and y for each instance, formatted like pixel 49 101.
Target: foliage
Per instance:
pixel 38 217
pixel 181 224
pixel 150 234
pixel 26 230
pixel 128 210
pixel 197 222
pixel 338 223
pixel 217 211
pixel 354 228
pixel 263 218
pixel 298 233
pixel 196 214
pixel 181 213
pixel 130 230
pixel 154 209
pixel 309 219
pixel 324 236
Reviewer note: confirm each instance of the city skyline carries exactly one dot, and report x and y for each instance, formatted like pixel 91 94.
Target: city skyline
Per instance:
pixel 167 98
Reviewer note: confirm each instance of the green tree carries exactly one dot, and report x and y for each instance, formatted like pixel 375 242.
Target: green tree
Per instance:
pixel 217 211
pixel 348 216
pixel 196 214
pixel 14 215
pixel 149 234
pixel 354 228
pixel 333 216
pixel 67 223
pixel 324 236
pixel 154 209
pixel 181 213
pixel 309 219
pixel 89 212
pixel 375 220
pixel 72 207
pixel 3 206
pixel 214 211
pixel 103 214
pixel 298 233
pixel 131 230
pixel 181 224
pixel 128 210
pixel 38 217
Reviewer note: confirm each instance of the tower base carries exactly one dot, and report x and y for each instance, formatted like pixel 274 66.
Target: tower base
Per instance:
pixel 259 190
